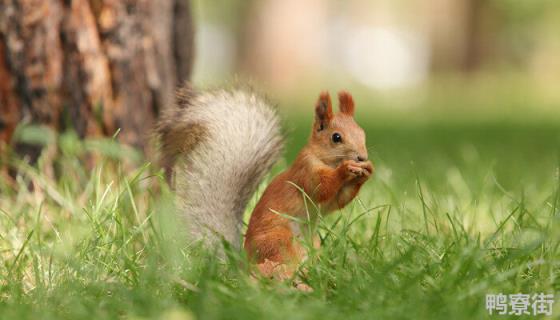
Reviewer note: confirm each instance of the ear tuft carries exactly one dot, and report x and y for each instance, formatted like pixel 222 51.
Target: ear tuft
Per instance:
pixel 346 103
pixel 323 111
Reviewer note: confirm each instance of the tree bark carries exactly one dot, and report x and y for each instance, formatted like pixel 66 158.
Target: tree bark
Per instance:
pixel 95 66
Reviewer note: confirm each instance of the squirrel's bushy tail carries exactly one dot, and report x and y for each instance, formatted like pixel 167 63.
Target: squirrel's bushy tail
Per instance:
pixel 217 146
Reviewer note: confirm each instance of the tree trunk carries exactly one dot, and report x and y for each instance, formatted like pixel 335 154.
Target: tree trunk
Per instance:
pixel 95 66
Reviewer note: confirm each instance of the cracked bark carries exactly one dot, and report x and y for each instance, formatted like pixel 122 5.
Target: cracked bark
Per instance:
pixel 95 66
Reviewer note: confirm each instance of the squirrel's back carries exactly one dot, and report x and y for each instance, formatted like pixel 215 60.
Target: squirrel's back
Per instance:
pixel 217 146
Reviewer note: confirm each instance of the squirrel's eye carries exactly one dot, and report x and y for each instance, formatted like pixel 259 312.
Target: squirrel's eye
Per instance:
pixel 336 137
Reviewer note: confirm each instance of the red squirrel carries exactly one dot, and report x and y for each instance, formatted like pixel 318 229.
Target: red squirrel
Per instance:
pixel 330 169
pixel 217 146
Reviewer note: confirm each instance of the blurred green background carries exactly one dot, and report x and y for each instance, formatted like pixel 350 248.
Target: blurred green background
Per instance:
pixel 388 50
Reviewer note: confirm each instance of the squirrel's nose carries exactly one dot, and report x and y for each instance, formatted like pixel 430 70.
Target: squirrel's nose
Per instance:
pixel 362 158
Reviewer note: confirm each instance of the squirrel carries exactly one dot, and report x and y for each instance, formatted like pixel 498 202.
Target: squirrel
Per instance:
pixel 216 148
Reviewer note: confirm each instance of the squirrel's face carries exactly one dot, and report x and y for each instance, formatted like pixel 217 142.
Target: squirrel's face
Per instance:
pixel 337 137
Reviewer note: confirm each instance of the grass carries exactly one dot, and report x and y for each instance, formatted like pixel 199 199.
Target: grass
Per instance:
pixel 455 211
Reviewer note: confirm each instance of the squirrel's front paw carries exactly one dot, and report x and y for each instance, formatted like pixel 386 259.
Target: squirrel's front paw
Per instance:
pixel 357 170
pixel 367 168
pixel 352 169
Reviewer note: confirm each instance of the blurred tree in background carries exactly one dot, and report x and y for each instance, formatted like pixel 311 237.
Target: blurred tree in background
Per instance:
pixel 94 66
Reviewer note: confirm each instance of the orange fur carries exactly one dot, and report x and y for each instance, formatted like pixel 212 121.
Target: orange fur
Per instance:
pixel 330 172
pixel 346 103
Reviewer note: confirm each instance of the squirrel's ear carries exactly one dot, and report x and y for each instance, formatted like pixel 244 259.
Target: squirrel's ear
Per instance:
pixel 346 103
pixel 323 111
